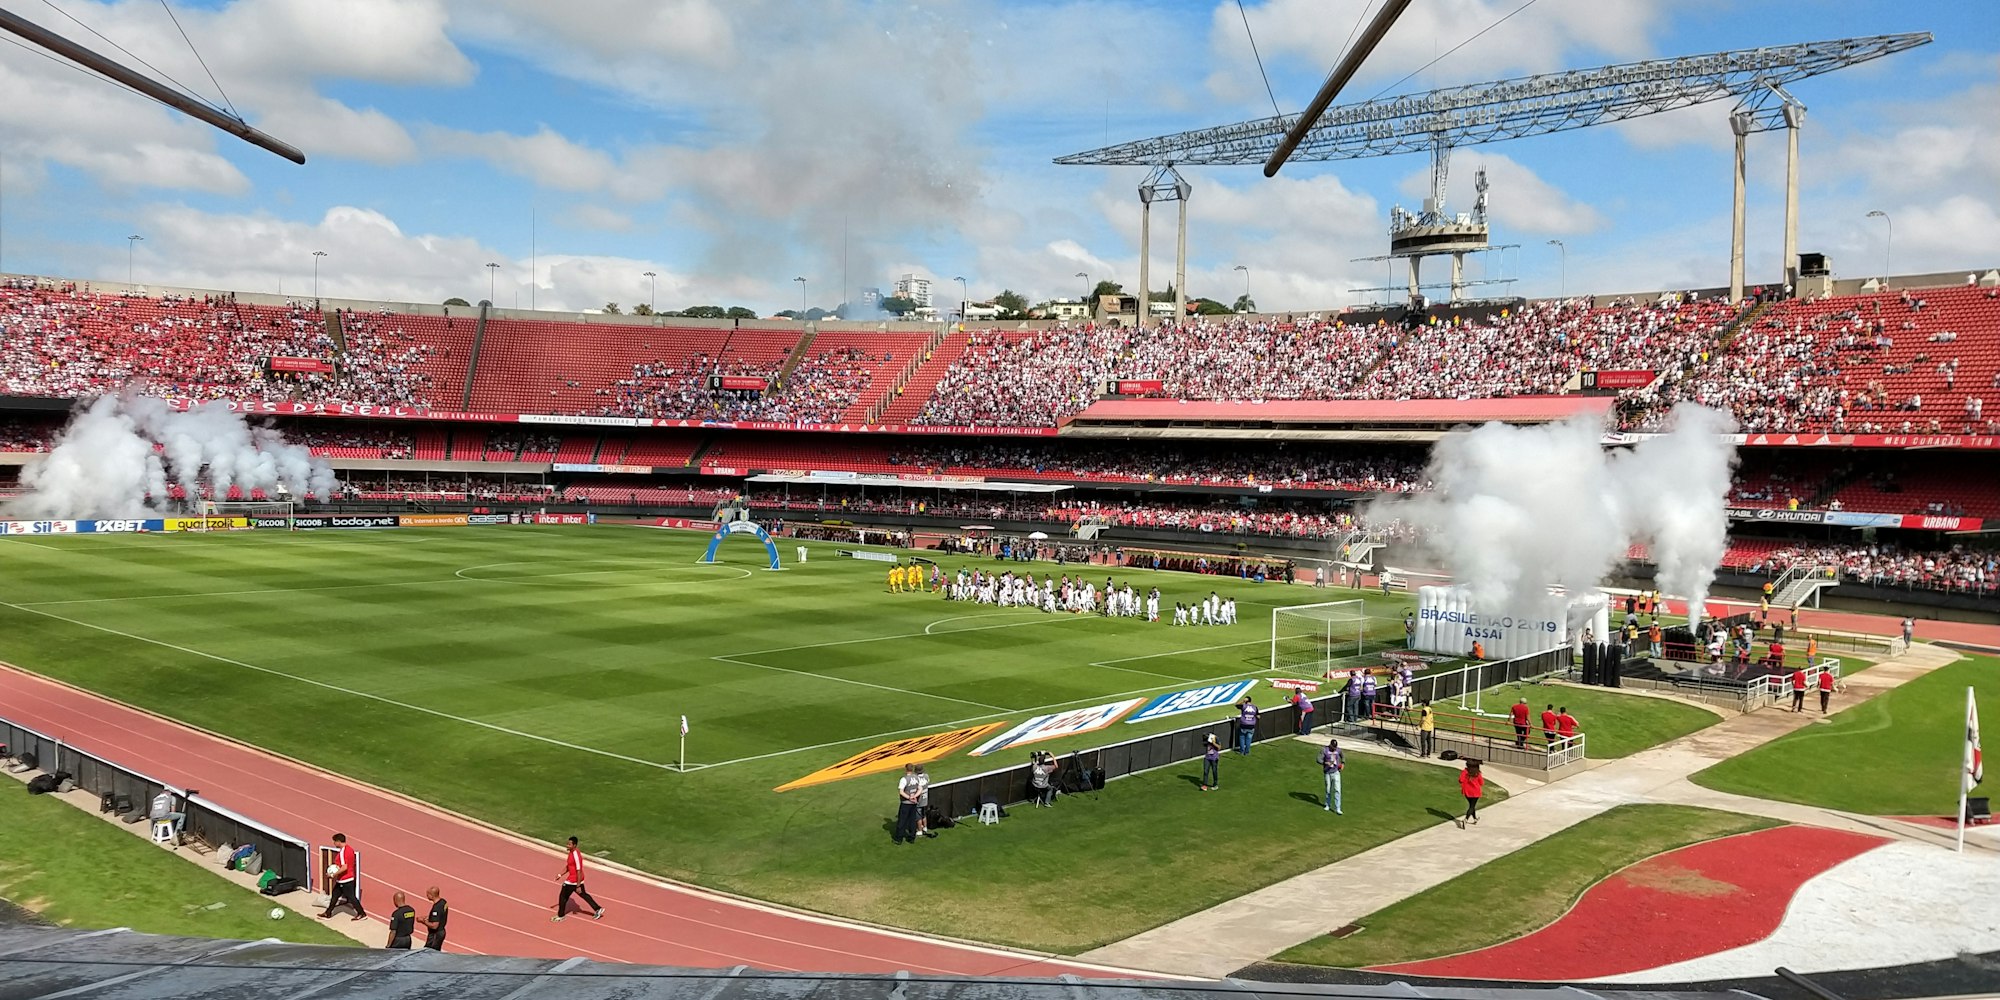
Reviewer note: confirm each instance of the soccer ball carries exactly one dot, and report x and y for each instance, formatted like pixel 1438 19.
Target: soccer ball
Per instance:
pixel 332 870
pixel 277 913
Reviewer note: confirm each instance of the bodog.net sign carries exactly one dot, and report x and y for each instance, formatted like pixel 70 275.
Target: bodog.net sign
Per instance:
pixel 892 756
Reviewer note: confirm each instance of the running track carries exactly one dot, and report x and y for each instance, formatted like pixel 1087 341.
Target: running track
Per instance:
pixel 502 887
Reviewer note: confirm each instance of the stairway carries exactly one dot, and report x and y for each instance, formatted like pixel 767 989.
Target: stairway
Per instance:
pixel 472 359
pixel 1739 324
pixel 333 330
pixel 906 401
pixel 798 354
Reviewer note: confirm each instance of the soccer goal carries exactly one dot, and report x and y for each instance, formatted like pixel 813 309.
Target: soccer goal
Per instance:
pixel 260 513
pixel 1313 637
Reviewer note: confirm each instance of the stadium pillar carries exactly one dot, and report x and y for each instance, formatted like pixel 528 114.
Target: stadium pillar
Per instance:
pixel 1180 265
pixel 1457 276
pixel 1145 254
pixel 1795 117
pixel 1740 124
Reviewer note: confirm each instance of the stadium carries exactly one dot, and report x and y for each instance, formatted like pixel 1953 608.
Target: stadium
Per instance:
pixel 1451 637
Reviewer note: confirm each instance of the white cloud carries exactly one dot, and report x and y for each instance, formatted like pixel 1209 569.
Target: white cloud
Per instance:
pixel 1542 38
pixel 1519 200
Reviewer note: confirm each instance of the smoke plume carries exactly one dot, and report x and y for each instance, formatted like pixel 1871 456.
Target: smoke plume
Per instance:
pixel 119 453
pixel 1518 509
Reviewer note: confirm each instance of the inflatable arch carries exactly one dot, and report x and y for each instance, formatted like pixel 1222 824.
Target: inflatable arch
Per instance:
pixel 742 528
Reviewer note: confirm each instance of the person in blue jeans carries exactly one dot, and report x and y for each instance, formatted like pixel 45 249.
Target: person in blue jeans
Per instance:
pixel 1332 762
pixel 1211 763
pixel 1246 725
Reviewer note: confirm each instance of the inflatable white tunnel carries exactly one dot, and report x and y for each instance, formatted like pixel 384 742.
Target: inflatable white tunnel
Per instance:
pixel 1449 622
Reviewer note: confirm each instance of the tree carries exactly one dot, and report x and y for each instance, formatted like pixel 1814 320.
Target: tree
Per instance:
pixel 456 301
pixel 1012 304
pixel 896 305
pixel 1107 288
pixel 815 314
pixel 642 309
pixel 785 314
pixel 1244 304
pixel 612 308
pixel 740 312
pixel 1166 296
pixel 705 312
pixel 1209 307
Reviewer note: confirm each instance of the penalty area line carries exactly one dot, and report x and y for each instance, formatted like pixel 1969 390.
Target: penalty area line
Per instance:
pixel 342 690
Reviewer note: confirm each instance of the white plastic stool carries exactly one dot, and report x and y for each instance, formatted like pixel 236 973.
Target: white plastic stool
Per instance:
pixel 163 832
pixel 989 813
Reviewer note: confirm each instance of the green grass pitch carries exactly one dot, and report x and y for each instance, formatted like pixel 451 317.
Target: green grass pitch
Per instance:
pixel 535 677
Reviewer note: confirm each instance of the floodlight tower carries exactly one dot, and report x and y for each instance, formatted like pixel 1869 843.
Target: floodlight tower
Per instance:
pixel 1163 184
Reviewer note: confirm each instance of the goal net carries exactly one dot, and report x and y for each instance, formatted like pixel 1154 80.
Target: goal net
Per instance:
pixel 1315 637
pixel 254 511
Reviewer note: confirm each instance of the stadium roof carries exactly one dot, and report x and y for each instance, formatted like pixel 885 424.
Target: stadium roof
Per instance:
pixel 43 963
pixel 913 480
pixel 1508 109
pixel 1374 412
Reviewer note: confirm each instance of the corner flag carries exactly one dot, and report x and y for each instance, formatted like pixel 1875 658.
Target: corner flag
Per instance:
pixel 1974 767
pixel 684 725
pixel 1975 763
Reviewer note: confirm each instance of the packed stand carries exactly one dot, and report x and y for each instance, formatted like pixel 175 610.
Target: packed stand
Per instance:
pixel 360 442
pixel 1279 465
pixel 1956 570
pixel 1038 378
pixel 65 341
pixel 1538 348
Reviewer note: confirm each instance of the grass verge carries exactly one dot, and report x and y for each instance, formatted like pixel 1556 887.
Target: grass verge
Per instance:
pixel 1615 724
pixel 1892 755
pixel 1519 893
pixel 76 870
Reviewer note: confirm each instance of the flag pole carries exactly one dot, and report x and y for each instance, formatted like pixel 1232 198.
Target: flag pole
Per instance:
pixel 1965 766
pixel 680 763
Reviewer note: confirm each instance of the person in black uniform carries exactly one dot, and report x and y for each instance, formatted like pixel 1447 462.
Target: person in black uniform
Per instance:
pixel 434 924
pixel 402 922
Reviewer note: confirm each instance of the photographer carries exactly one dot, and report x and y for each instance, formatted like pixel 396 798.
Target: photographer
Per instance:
pixel 1042 777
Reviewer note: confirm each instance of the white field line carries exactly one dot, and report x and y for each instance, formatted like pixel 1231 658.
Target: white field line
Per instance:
pixel 342 690
pixel 849 680
pixel 454 578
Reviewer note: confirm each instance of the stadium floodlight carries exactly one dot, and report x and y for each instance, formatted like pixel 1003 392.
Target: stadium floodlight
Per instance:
pixel 1318 637
pixel 146 86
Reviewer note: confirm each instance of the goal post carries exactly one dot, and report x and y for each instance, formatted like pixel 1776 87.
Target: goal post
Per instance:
pixel 1316 636
pixel 252 509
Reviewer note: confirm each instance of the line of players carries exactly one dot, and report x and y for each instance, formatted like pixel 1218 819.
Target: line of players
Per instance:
pixel 1078 596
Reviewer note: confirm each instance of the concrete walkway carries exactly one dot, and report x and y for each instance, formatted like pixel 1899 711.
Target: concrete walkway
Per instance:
pixel 1252 928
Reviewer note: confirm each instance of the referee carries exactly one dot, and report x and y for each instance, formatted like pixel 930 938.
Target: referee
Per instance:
pixel 434 924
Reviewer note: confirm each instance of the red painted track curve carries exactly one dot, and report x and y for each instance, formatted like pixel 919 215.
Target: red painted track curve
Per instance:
pixel 501 886
pixel 1684 904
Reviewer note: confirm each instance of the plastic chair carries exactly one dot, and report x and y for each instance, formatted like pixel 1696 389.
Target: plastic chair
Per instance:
pixel 163 832
pixel 989 813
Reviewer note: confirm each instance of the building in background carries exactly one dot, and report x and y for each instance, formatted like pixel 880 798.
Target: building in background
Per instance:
pixel 915 289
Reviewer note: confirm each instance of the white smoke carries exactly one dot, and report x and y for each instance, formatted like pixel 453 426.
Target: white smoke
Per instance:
pixel 1518 509
pixel 118 454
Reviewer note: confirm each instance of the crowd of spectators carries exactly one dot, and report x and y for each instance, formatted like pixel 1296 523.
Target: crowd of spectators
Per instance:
pixel 356 441
pixel 65 340
pixel 1281 520
pixel 1538 348
pixel 1248 464
pixel 1037 378
pixel 1957 569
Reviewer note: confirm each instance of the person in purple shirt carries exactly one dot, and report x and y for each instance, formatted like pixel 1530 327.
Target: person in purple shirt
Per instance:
pixel 1304 706
pixel 1332 762
pixel 1211 763
pixel 1367 695
pixel 1246 725
pixel 1353 699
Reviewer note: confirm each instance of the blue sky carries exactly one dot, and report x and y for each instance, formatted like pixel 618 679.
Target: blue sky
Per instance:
pixel 730 145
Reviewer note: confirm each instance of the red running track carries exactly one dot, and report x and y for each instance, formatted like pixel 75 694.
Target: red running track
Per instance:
pixel 1684 904
pixel 502 887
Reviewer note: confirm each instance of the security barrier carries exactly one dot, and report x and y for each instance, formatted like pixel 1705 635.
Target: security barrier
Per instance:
pixel 131 790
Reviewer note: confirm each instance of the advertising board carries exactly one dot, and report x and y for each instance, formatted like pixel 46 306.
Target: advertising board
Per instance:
pixel 892 756
pixel 1061 724
pixel 1194 700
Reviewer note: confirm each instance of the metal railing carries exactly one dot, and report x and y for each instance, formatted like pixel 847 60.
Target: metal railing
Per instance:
pixel 132 795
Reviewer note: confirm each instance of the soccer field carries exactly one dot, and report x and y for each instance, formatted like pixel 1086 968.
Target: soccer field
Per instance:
pixel 535 677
